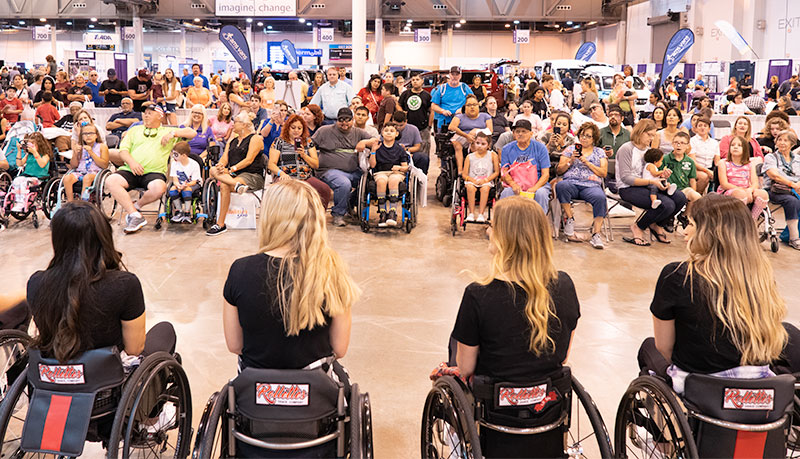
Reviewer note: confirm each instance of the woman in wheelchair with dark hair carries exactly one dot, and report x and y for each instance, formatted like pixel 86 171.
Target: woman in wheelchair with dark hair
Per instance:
pixel 288 306
pixel 719 312
pixel 516 324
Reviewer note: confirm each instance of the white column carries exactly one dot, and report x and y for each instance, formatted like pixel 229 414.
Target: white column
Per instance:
pixel 183 44
pixel 359 41
pixel 450 41
pixel 248 34
pixel 53 43
pixel 138 41
pixel 379 42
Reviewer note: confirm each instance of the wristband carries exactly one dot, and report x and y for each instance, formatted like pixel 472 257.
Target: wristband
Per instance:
pixel 278 174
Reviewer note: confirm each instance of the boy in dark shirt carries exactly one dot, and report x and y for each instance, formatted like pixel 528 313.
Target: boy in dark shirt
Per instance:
pixel 389 161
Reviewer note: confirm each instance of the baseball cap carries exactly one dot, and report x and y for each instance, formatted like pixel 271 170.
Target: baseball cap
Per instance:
pixel 155 108
pixel 75 103
pixel 111 72
pixel 344 112
pixel 522 124
pixel 455 70
pixel 143 73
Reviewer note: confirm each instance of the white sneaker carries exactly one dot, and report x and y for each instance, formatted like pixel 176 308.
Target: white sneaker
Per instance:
pixel 596 241
pixel 481 219
pixel 471 217
pixel 656 204
pixel 166 419
pixel 671 189
pixel 569 227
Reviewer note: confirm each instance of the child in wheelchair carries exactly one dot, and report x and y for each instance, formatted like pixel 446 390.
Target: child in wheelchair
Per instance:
pixel 85 166
pixel 33 163
pixel 185 182
pixel 481 169
pixel 389 161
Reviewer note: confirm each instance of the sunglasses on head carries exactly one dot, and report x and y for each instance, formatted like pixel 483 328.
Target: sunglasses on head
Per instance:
pixel 344 119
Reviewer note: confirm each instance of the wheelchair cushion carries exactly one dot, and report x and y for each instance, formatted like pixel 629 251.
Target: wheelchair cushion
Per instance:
pixel 746 401
pixel 285 395
pixel 60 407
pixel 402 188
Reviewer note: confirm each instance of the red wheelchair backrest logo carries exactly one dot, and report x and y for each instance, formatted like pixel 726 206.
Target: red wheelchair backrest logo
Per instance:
pixel 61 374
pixel 281 394
pixel 522 396
pixel 749 399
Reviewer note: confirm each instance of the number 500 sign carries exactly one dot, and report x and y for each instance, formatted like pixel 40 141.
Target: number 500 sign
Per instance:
pixel 522 37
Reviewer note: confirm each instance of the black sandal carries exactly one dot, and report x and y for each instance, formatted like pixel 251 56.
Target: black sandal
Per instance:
pixel 636 241
pixel 662 238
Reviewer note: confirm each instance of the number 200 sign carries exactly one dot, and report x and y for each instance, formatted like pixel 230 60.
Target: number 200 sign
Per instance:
pixel 522 37
pixel 422 35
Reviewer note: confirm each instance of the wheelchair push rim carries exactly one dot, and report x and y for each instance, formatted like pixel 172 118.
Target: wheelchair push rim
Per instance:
pixel 586 427
pixel 651 423
pixel 13 412
pixel 104 201
pixel 212 434
pixel 448 424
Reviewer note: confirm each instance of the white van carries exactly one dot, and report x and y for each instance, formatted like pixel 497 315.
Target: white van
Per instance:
pixel 560 67
pixel 603 77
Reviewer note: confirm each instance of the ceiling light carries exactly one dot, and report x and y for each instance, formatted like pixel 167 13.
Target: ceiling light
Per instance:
pixel 260 24
pixel 591 23
pixel 463 21
pixel 516 22
pixel 91 26
pixel 302 21
pixel 551 26
pixel 249 20
pixel 269 27
pixel 458 24
pixel 69 22
pixel 21 22
pixel 196 19
pixel 508 26
pixel 43 19
pixel 115 22
pixel 569 22
pixel 93 19
pixel 576 26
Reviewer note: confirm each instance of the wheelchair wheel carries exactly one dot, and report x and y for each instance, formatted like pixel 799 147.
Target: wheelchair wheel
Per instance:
pixel 448 423
pixel 13 357
pixel 5 182
pixel 13 412
pixel 580 434
pixel 651 422
pixel 103 199
pixel 360 425
pixel 210 203
pixel 212 433
pixel 441 186
pixel 773 244
pixel 54 196
pixel 412 196
pixel 158 389
pixel 362 206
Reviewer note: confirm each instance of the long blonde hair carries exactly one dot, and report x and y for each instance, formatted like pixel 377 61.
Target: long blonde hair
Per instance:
pixel 524 257
pixel 313 281
pixel 203 124
pixel 737 279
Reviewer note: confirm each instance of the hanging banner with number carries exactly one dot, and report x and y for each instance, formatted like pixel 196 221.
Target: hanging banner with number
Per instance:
pixel 422 35
pixel 522 37
pixel 41 33
pixel 325 34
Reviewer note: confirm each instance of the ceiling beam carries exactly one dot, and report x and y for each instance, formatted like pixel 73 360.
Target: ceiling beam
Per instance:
pixel 456 10
pixel 549 10
pixel 303 6
pixel 509 6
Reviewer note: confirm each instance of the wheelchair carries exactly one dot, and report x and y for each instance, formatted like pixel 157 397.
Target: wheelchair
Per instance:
pixel 34 201
pixel 210 193
pixel 458 218
pixel 367 196
pixel 502 419
pixel 448 169
pixel 275 413
pixel 55 408
pixel 716 417
pixel 55 195
pixel 13 357
pixel 198 209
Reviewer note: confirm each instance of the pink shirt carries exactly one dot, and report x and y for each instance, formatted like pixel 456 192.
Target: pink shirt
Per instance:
pixel 219 128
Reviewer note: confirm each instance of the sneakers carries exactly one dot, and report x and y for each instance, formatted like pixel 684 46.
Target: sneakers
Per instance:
pixel 382 219
pixel 338 220
pixel 216 229
pixel 134 223
pixel 656 204
pixel 795 244
pixel 240 188
pixel 187 218
pixel 85 195
pixel 569 227
pixel 471 218
pixel 177 217
pixel 481 219
pixel 167 419
pixel 671 189
pixel 596 241
pixel 391 219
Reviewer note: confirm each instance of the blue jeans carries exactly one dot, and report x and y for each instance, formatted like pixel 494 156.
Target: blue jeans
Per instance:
pixel 567 191
pixel 341 183
pixel 542 196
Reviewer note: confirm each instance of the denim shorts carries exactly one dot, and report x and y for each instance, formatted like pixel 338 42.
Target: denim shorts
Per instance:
pixel 170 108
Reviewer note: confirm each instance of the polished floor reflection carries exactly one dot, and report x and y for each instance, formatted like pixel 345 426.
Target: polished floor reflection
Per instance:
pixel 412 288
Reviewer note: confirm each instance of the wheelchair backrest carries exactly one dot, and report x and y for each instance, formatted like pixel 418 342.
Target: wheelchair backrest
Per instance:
pixel 529 404
pixel 63 395
pixel 735 415
pixel 285 395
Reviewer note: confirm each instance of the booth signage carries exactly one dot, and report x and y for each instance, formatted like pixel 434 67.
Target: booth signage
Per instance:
pixel 522 37
pixel 422 35
pixel 256 8
pixel 100 41
pixel 41 33
pixel 309 52
pixel 325 34
pixel 342 52
pixel 128 33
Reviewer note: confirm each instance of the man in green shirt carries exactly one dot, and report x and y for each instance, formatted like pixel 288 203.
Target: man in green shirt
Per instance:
pixel 145 150
pixel 615 134
pixel 684 170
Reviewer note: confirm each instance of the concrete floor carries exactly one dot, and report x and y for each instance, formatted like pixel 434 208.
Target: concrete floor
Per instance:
pixel 412 288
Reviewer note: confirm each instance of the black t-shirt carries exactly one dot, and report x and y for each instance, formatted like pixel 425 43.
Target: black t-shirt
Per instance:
pixel 417 107
pixel 499 125
pixel 80 90
pixel 113 100
pixel 40 95
pixel 702 345
pixel 386 157
pixel 237 152
pixel 116 297
pixel 139 87
pixel 493 318
pixel 252 288
pixel 121 130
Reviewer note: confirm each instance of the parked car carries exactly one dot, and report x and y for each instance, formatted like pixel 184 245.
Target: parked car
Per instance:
pixel 406 73
pixel 492 83
pixel 281 75
pixel 604 79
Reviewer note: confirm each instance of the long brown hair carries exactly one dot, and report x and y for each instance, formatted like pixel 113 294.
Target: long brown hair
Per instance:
pixel 83 252
pixel 288 122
